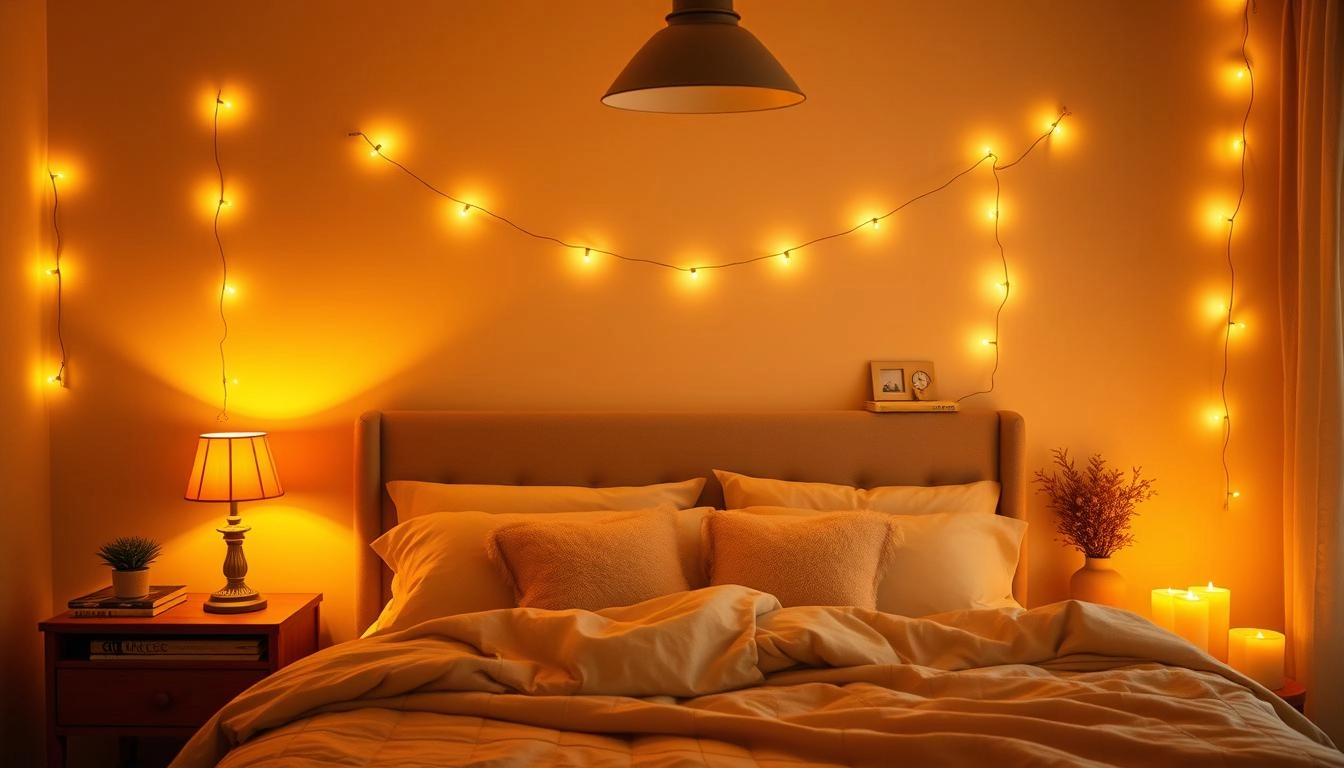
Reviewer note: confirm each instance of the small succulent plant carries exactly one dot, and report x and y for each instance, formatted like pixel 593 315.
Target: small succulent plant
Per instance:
pixel 130 553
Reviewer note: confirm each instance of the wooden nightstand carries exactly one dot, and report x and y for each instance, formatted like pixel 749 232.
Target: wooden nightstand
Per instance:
pixel 145 696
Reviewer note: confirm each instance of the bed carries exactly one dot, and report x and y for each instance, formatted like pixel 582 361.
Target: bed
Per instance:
pixel 727 589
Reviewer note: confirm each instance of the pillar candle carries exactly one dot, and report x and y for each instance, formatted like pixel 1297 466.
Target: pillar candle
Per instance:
pixel 1192 619
pixel 1164 608
pixel 1220 610
pixel 1258 654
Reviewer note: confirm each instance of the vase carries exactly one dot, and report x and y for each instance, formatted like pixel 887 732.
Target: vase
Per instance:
pixel 130 584
pixel 1098 582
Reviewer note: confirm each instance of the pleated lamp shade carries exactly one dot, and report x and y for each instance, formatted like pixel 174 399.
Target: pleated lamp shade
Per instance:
pixel 233 466
pixel 703 62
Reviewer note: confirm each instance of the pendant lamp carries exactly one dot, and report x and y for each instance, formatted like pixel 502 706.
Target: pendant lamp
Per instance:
pixel 703 62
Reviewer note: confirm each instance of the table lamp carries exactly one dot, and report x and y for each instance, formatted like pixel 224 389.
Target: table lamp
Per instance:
pixel 234 467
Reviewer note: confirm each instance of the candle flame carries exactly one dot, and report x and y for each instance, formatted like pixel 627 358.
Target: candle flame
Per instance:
pixel 1190 595
pixel 1259 635
pixel 1210 584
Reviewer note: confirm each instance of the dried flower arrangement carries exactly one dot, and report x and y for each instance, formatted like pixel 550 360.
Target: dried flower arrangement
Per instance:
pixel 1093 505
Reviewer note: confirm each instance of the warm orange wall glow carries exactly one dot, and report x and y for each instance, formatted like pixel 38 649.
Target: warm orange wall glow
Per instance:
pixel 360 288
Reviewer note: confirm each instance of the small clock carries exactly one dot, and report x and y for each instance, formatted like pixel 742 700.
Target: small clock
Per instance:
pixel 920 381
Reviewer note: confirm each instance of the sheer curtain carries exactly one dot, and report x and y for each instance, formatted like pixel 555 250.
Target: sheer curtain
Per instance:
pixel 1311 258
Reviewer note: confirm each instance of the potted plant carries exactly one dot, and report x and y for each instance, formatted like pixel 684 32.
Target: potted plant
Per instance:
pixel 1093 508
pixel 130 557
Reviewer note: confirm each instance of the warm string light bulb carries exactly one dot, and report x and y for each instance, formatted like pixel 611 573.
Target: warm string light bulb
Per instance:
pixel 225 289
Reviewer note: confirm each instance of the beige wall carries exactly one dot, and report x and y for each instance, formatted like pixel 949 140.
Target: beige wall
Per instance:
pixel 359 289
pixel 25 248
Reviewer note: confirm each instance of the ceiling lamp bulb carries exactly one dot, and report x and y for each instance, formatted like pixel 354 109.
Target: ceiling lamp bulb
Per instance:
pixel 703 62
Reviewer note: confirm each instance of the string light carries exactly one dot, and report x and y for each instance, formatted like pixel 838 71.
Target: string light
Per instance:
pixel 873 222
pixel 224 288
pixel 57 378
pixel 1247 74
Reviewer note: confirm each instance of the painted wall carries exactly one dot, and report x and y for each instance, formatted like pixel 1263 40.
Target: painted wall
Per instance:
pixel 25 547
pixel 358 288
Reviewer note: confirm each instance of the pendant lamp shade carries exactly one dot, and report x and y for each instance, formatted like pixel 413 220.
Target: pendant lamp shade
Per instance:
pixel 703 62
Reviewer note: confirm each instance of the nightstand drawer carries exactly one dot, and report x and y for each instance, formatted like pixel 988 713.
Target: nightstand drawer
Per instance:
pixel 146 697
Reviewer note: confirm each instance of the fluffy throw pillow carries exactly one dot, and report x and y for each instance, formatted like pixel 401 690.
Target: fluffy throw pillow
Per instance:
pixel 414 498
pixel 827 559
pixel 561 562
pixel 440 566
pixel 742 491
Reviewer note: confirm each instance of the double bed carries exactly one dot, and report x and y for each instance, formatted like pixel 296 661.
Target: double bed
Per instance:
pixel 727 589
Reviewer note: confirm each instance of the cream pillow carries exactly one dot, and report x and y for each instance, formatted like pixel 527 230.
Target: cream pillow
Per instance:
pixel 742 491
pixel 562 562
pixel 440 566
pixel 942 561
pixel 827 559
pixel 414 497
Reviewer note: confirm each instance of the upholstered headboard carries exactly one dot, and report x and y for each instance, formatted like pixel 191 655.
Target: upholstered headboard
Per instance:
pixel 625 448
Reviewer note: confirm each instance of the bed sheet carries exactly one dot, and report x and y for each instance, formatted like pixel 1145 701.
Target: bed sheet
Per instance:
pixel 725 677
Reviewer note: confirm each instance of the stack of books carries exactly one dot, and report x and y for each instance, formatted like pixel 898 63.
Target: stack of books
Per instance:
pixel 105 604
pixel 178 648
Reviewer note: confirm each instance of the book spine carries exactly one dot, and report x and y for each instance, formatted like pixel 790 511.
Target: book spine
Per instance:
pixel 176 656
pixel 152 646
pixel 102 613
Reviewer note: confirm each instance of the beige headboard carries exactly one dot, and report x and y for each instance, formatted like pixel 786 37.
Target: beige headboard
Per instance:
pixel 626 448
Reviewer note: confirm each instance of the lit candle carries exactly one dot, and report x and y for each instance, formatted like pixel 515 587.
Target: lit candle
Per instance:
pixel 1192 619
pixel 1220 611
pixel 1258 654
pixel 1164 608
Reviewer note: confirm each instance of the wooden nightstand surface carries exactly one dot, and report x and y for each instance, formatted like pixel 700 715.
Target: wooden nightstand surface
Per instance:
pixel 1293 693
pixel 148 696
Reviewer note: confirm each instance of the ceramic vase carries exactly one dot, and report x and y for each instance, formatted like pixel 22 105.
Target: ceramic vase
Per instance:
pixel 130 584
pixel 1098 582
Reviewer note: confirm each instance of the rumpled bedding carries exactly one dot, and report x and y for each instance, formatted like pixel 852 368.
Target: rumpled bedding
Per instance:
pixel 724 676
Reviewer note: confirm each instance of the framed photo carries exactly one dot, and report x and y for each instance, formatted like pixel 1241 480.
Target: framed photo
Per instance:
pixel 903 380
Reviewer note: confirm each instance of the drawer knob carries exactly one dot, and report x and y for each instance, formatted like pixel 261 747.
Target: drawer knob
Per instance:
pixel 161 700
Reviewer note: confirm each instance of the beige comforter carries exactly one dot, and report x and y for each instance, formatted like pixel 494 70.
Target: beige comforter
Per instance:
pixel 725 677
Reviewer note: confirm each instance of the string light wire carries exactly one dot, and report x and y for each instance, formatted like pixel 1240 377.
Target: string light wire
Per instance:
pixel 59 377
pixel 376 150
pixel 1228 492
pixel 220 203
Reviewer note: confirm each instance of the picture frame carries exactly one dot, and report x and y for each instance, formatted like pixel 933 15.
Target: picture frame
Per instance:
pixel 903 380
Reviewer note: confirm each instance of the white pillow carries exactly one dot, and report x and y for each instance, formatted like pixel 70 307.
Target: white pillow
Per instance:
pixel 441 568
pixel 742 491
pixel 945 561
pixel 414 498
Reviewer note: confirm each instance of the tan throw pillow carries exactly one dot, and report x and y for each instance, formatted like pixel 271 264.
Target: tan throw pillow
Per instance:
pixel 742 491
pixel 825 559
pixel 561 563
pixel 414 498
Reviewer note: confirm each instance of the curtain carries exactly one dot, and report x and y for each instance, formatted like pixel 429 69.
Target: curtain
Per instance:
pixel 1311 259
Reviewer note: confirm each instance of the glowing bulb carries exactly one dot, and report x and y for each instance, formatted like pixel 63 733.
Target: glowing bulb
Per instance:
pixel 374 152
pixel 57 175
pixel 1234 494
pixel 695 275
pixel 225 103
pixel 876 224
pixel 587 255
pixel 988 342
pixel 992 213
pixel 1236 145
pixel 225 204
pixel 786 256
pixel 53 379
pixel 234 382
pixel 466 208
pixel 54 271
pixel 1237 325
pixel 987 151
pixel 1053 127
pixel 230 290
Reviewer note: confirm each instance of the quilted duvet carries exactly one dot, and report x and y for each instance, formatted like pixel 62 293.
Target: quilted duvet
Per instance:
pixel 726 677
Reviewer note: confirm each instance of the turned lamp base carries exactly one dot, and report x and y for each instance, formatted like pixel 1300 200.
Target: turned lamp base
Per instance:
pixel 236 596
